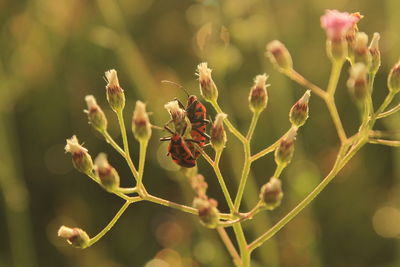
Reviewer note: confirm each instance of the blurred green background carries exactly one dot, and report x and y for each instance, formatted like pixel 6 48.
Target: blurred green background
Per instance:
pixel 53 53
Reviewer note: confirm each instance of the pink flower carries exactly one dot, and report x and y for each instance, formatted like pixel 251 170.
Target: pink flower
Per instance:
pixel 336 23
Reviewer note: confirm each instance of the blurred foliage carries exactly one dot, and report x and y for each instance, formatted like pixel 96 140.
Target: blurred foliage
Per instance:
pixel 53 53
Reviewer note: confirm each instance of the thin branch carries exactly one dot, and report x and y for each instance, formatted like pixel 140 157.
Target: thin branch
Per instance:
pixel 228 243
pixel 385 142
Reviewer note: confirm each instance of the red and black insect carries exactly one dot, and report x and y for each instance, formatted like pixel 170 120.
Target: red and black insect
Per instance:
pixel 197 115
pixel 181 149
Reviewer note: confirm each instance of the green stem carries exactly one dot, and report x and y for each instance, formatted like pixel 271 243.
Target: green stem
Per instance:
pixel 253 123
pixel 389 112
pixel 385 142
pixel 241 240
pixel 244 176
pixel 111 141
pixel 228 243
pixel 330 103
pixel 385 103
pixel 334 77
pixel 228 123
pixel 126 145
pixel 111 223
pixel 340 162
pixel 129 190
pixel 279 169
pixel 142 160
pixel 295 76
pixel 222 181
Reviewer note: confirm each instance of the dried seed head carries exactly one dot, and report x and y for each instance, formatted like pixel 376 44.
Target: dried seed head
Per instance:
pixel 271 193
pixel 199 185
pixel 284 152
pixel 299 112
pixel 258 97
pixel 394 78
pixel 279 55
pixel 96 116
pixel 375 53
pixel 74 236
pixel 208 89
pixel 141 126
pixel 208 212
pixel 218 135
pixel 178 115
pixel 80 156
pixel 115 93
pixel 109 177
pixel 358 81
pixel 361 52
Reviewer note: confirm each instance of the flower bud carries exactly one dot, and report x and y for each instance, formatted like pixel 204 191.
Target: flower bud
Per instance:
pixel 208 89
pixel 337 49
pixel 74 236
pixel 218 135
pixel 299 112
pixel 358 81
pixel 279 55
pixel 115 93
pixel 361 53
pixel 375 53
pixel 208 212
pixel 284 152
pixel 258 97
pixel 199 185
pixel 336 24
pixel 178 116
pixel 95 114
pixel 141 126
pixel 271 193
pixel 109 177
pixel 394 78
pixel 80 156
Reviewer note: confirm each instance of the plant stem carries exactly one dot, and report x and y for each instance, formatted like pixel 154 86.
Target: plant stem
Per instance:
pixel 334 77
pixel 279 169
pixel 228 243
pixel 221 180
pixel 330 103
pixel 385 142
pixel 241 240
pixel 112 222
pixel 129 190
pixel 142 160
pixel 295 76
pixel 385 103
pixel 253 123
pixel 126 145
pixel 244 176
pixel 111 141
pixel 339 164
pixel 389 112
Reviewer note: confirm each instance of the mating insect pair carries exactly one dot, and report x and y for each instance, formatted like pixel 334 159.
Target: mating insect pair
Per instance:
pixel 181 149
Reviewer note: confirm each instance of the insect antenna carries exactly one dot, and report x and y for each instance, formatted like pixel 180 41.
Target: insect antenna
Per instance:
pixel 176 84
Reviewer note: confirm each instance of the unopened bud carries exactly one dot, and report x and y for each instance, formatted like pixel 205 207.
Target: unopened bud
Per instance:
pixel 208 212
pixel 178 116
pixel 375 53
pixel 199 185
pixel 361 53
pixel 279 55
pixel 95 114
pixel 115 93
pixel 271 193
pixel 109 177
pixel 80 156
pixel 208 89
pixel 141 126
pixel 358 81
pixel 299 111
pixel 258 97
pixel 218 135
pixel 74 236
pixel 284 152
pixel 394 78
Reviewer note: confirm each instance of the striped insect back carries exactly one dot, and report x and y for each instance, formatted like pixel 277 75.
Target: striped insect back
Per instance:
pixel 181 151
pixel 197 115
